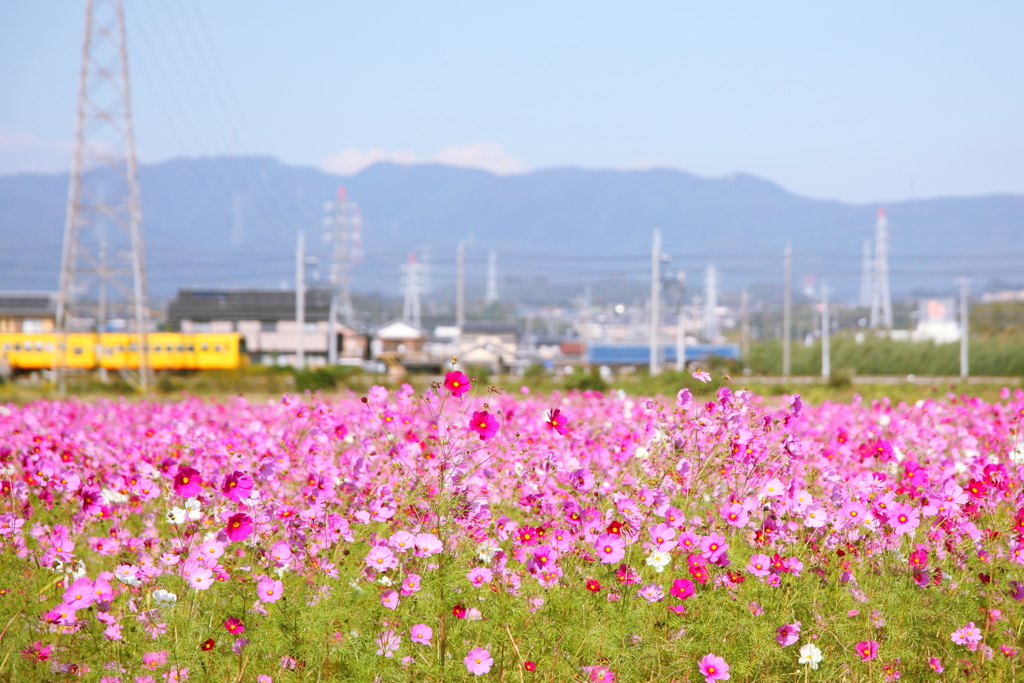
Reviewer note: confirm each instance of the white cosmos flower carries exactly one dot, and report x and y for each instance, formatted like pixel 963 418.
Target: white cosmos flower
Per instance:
pixel 810 654
pixel 192 508
pixel 175 516
pixel 384 580
pixel 164 598
pixel 659 560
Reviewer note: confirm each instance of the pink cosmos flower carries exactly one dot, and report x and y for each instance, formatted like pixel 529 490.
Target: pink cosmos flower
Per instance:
pixel 268 589
pixel 479 576
pixel 457 383
pixel 713 668
pixel 427 545
pixel 478 661
pixel 867 649
pixel 683 398
pixel 237 486
pixel 702 376
pixel 713 546
pixel 389 599
pixel 187 482
pixel 967 635
pixel 611 548
pixel 557 422
pixel 402 541
pixel 387 643
pixel 652 592
pixel 421 633
pixel 903 518
pixel 936 665
pixel 787 634
pixel 200 577
pixel 381 559
pixel 735 515
pixel 154 660
pixel 410 585
pixel 601 674
pixel 759 565
pixel 79 594
pixel 240 527
pixel 484 424
pixel 663 537
pixel 682 588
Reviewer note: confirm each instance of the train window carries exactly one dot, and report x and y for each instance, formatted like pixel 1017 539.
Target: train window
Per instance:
pixel 191 348
pixel 7 347
pixel 217 348
pixel 156 349
pixel 39 346
pixel 110 350
pixel 17 347
pixel 205 346
pixel 78 350
pixel 181 347
pixel 120 348
pixel 133 347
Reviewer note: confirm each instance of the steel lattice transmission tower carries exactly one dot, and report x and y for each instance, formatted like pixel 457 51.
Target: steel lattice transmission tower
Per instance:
pixel 414 282
pixel 104 190
pixel 341 275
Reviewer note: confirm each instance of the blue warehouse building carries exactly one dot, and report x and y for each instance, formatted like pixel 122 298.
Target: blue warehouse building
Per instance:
pixel 599 353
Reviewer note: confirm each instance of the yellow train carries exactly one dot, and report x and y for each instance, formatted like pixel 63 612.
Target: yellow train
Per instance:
pixel 120 351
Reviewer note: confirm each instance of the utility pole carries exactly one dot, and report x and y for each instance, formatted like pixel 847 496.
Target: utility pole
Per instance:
pixel 881 300
pixel 104 142
pixel 826 350
pixel 460 286
pixel 787 307
pixel 655 359
pixel 965 285
pixel 745 326
pixel 300 301
pixel 711 329
pixel 491 294
pixel 680 319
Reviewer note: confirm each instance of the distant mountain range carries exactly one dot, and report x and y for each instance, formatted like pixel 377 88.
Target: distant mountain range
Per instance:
pixel 231 222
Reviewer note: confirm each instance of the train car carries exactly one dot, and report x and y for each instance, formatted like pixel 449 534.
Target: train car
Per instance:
pixel 119 351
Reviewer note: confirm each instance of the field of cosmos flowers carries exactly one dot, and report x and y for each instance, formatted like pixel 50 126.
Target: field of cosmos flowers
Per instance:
pixel 469 532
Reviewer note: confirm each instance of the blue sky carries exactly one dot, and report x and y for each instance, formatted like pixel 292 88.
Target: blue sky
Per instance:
pixel 863 102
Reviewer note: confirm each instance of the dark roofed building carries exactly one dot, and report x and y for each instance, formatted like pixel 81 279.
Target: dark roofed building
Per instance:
pixel 266 305
pixel 27 311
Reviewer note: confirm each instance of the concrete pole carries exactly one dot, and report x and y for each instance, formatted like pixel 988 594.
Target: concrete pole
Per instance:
pixel 787 308
pixel 680 332
pixel 300 301
pixel 964 327
pixel 655 360
pixel 460 286
pixel 826 350
pixel 745 326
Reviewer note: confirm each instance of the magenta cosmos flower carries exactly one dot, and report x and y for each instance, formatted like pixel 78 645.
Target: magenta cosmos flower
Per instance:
pixel 234 626
pixel 867 649
pixel 478 661
pixel 187 482
pixel 681 588
pixel 557 422
pixel 713 668
pixel 787 634
pixel 237 486
pixel 457 383
pixel 240 527
pixel 484 424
